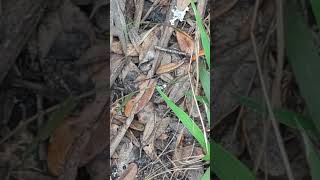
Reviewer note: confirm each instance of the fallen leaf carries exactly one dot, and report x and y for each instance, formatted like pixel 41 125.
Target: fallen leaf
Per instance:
pixel 182 4
pixel 169 67
pixel 187 153
pixel 98 140
pixel 129 107
pixel 130 173
pixel 147 90
pixel 59 145
pixel 126 154
pixel 146 114
pixel 185 42
pixel 162 126
pixel 116 47
pixel 147 50
pixel 149 150
pixel 133 138
pixel 179 88
pixel 148 129
pixel 163 136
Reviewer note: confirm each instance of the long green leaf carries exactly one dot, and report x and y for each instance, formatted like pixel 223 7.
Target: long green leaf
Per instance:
pixel 313 158
pixel 228 167
pixel 304 58
pixel 284 116
pixel 315 4
pixel 203 35
pixel 206 175
pixel 186 120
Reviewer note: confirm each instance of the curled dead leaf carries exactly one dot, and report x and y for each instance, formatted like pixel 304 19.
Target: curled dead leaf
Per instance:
pixel 169 67
pixel 130 173
pixel 185 42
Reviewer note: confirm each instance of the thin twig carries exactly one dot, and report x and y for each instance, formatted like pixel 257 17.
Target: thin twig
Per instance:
pixel 265 93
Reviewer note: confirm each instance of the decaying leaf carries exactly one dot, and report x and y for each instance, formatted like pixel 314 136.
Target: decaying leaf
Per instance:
pixel 148 130
pixel 147 94
pixel 182 4
pixel 117 48
pixel 147 51
pixel 130 173
pixel 145 114
pixel 59 145
pixel 169 67
pixel 133 138
pixel 187 153
pixel 98 140
pixel 179 88
pixel 161 126
pixel 126 154
pixel 149 150
pixel 185 42
pixel 129 107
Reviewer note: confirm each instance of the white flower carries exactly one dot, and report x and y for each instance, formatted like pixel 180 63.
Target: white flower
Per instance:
pixel 177 14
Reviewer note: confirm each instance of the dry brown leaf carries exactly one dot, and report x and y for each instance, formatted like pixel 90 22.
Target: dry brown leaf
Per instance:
pixel 136 125
pixel 187 153
pixel 162 126
pixel 98 141
pixel 185 42
pixel 133 138
pixel 146 114
pixel 129 107
pixel 163 136
pixel 182 4
pixel 166 77
pixel 147 91
pixel 130 173
pixel 149 150
pixel 148 129
pixel 116 47
pixel 169 67
pixel 147 47
pixel 179 89
pixel 59 145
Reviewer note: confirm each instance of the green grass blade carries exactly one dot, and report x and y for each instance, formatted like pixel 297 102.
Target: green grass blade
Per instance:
pixel 304 58
pixel 228 167
pixel 313 158
pixel 185 119
pixel 204 37
pixel 284 116
pixel 206 175
pixel 315 4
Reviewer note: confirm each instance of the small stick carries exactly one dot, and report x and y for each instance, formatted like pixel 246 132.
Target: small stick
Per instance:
pixel 171 51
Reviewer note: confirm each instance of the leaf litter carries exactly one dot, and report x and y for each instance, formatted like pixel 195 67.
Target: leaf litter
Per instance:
pixel 144 118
